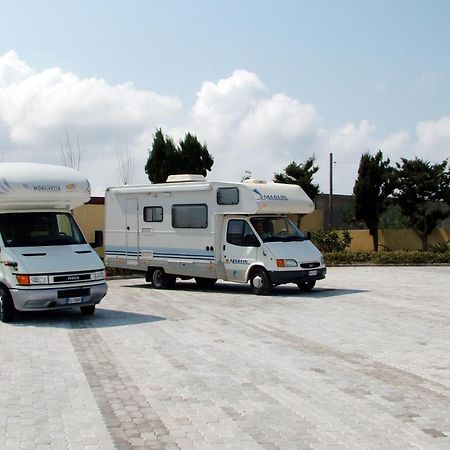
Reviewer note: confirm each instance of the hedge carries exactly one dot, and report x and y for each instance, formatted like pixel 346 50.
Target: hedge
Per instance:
pixel 400 257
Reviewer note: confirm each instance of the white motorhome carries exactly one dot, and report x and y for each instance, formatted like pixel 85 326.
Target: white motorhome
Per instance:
pixel 45 262
pixel 193 228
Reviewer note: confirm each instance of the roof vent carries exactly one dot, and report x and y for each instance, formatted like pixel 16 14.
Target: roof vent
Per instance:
pixel 184 177
pixel 253 181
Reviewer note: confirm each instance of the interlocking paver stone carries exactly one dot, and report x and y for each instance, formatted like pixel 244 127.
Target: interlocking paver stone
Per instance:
pixel 362 361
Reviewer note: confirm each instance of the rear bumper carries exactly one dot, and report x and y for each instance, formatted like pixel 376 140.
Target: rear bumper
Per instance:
pixel 54 298
pixel 297 276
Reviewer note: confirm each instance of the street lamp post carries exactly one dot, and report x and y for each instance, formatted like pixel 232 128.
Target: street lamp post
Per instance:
pixel 330 199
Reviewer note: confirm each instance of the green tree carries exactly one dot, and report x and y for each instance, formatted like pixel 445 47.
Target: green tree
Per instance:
pixel 161 158
pixel 190 157
pixel 423 194
pixel 194 157
pixel 372 189
pixel 301 174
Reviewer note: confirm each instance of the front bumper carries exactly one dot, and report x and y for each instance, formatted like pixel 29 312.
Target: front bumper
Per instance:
pixel 57 298
pixel 297 276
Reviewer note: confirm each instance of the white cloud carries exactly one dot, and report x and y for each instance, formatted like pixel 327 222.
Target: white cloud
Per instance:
pixel 395 143
pixel 37 109
pixel 247 128
pixel 245 125
pixel 433 139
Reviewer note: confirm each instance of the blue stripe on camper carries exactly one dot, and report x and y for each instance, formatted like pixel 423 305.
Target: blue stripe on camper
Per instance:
pixel 198 255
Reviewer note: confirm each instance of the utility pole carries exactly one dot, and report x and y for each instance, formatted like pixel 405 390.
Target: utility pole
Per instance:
pixel 330 199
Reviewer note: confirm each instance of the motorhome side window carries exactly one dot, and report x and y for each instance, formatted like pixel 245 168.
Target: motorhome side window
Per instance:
pixel 239 233
pixel 153 214
pixel 189 216
pixel 228 196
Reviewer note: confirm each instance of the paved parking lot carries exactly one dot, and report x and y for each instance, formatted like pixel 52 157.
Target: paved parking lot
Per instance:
pixel 363 361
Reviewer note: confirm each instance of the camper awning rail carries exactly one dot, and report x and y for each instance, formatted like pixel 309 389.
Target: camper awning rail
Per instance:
pixel 167 188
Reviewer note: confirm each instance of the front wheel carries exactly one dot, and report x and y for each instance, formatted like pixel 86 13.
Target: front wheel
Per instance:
pixel 260 282
pixel 162 280
pixel 7 308
pixel 87 310
pixel 306 285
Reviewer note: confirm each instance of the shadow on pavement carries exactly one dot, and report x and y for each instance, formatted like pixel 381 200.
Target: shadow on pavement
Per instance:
pixel 288 290
pixel 72 318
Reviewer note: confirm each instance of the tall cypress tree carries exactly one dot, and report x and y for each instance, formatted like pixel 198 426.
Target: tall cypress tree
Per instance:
pixel 372 188
pixel 161 158
pixel 190 157
pixel 194 156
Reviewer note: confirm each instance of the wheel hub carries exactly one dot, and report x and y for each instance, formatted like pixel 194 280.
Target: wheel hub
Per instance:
pixel 257 282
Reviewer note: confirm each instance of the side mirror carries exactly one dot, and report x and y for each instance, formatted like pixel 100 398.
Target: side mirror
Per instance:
pixel 308 235
pixel 98 239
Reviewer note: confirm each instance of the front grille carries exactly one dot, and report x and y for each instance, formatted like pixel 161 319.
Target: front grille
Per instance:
pixel 68 293
pixel 72 278
pixel 309 265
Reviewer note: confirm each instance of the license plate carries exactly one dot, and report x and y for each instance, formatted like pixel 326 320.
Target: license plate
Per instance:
pixel 73 300
pixel 312 273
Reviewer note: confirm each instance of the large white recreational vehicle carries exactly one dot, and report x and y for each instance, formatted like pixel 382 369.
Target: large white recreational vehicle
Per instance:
pixel 193 228
pixel 45 262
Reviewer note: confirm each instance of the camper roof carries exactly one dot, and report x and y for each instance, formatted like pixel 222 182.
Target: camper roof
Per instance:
pixel 37 186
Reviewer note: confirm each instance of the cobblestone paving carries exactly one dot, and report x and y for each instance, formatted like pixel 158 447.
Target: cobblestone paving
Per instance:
pixel 361 362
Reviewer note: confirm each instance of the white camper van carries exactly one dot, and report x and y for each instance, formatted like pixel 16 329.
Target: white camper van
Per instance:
pixel 192 228
pixel 45 262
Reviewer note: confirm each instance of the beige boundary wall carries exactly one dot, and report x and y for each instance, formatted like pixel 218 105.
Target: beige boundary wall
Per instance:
pixel 396 239
pixel 91 217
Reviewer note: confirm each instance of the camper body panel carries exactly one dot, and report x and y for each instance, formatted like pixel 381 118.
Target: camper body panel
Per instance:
pixel 184 228
pixel 45 262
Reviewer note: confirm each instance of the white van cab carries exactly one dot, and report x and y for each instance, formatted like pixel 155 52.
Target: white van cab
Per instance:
pixel 45 261
pixel 193 228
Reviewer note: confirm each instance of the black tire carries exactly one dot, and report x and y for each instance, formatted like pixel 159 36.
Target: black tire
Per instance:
pixel 7 308
pixel 206 282
pixel 87 310
pixel 260 282
pixel 306 285
pixel 162 280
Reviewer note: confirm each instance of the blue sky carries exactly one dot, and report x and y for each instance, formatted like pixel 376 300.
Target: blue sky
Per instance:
pixel 340 76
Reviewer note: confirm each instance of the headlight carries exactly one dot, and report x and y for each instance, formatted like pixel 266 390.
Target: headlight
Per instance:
pixel 286 263
pixel 26 280
pixel 99 275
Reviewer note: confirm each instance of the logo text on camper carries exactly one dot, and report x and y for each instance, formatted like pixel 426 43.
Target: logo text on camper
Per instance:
pixel 46 188
pixel 270 196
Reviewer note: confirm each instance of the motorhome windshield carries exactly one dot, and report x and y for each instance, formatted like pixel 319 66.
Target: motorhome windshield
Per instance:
pixel 276 229
pixel 39 229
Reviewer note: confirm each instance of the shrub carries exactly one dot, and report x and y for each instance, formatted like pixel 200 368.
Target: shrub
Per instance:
pixel 441 247
pixel 331 241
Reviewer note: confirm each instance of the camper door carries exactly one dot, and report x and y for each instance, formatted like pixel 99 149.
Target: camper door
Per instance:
pixel 132 236
pixel 240 248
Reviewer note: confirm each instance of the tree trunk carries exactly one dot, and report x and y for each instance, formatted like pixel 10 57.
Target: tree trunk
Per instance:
pixel 374 233
pixel 424 239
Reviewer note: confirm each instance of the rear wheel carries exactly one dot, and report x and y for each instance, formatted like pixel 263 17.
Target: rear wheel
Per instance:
pixel 206 282
pixel 87 310
pixel 7 308
pixel 162 280
pixel 260 282
pixel 306 285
